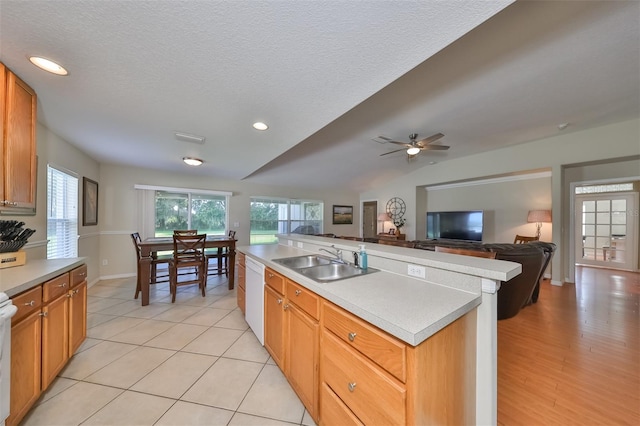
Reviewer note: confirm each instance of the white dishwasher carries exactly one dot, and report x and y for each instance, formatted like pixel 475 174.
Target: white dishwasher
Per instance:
pixel 7 310
pixel 254 297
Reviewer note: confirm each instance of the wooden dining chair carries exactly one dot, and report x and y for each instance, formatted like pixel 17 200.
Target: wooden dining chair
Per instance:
pixel 185 232
pixel 466 252
pixel 155 261
pixel 221 257
pixel 188 252
pixel 521 239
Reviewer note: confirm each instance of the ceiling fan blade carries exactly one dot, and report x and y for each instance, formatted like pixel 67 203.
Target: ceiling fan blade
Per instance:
pixel 434 148
pixel 430 139
pixel 408 145
pixel 384 138
pixel 391 152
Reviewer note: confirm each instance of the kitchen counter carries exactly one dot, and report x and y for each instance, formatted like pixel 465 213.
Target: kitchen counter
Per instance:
pixel 408 308
pixel 17 279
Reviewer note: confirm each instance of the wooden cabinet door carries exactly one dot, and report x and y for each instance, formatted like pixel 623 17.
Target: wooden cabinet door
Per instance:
pixel 25 366
pixel 302 355
pixel 55 338
pixel 274 325
pixel 77 317
pixel 19 145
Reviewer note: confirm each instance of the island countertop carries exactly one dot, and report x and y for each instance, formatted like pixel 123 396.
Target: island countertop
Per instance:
pixel 17 279
pixel 410 309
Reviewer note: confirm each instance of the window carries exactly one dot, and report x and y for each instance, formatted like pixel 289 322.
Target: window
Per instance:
pixel 62 214
pixel 595 189
pixel 270 216
pixel 190 210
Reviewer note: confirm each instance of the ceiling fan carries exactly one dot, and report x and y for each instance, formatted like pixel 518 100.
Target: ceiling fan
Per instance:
pixel 414 147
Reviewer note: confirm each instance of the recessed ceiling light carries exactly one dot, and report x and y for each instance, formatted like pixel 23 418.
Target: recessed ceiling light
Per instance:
pixel 413 150
pixel 260 126
pixel 48 65
pixel 192 161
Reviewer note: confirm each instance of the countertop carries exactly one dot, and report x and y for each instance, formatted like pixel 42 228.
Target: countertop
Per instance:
pixel 410 309
pixel 17 279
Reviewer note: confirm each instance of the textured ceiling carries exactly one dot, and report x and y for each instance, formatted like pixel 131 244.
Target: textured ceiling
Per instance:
pixel 326 76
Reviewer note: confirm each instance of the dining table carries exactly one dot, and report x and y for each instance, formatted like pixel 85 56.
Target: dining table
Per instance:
pixel 150 246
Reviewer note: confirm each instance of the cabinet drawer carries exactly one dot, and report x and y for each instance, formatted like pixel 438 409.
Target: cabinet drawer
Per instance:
pixel 303 298
pixel 372 395
pixel 333 411
pixel 274 280
pixel 373 343
pixel 55 287
pixel 27 302
pixel 78 275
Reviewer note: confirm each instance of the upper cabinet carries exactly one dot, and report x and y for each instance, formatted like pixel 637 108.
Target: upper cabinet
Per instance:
pixel 18 173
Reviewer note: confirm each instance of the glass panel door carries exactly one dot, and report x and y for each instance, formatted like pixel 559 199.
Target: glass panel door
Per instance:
pixel 605 230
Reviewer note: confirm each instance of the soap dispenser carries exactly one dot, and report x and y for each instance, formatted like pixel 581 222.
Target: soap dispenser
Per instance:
pixel 363 258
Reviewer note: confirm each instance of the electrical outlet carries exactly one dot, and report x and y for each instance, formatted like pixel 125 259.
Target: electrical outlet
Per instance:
pixel 299 244
pixel 105 262
pixel 417 271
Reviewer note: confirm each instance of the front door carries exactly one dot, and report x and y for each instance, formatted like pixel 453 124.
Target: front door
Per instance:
pixel 369 214
pixel 605 230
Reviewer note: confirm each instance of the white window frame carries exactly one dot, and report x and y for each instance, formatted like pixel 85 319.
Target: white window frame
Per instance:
pixel 67 215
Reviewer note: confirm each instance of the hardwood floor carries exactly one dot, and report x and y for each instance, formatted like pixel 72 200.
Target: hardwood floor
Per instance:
pixel 573 357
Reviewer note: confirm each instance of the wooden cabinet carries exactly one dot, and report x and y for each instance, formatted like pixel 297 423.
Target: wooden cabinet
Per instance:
pixel 242 280
pixel 274 325
pixel 375 378
pixel 292 335
pixel 26 354
pixel 18 172
pixel 50 325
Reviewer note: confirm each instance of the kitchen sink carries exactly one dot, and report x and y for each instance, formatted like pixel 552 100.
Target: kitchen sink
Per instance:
pixel 303 261
pixel 322 269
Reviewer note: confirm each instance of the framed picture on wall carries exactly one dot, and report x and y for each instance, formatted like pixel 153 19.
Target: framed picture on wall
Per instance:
pixel 342 215
pixel 89 202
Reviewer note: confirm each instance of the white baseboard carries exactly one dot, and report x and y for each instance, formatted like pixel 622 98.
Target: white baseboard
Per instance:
pixel 114 277
pixel 558 283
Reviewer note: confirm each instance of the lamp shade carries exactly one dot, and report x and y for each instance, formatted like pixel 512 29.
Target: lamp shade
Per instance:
pixel 383 216
pixel 539 216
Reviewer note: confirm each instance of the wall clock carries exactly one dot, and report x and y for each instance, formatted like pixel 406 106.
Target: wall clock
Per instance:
pixel 396 208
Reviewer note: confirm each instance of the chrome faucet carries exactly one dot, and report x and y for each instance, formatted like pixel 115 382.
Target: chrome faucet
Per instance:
pixel 337 253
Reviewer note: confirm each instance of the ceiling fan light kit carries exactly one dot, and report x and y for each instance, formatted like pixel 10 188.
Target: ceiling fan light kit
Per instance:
pixel 192 161
pixel 415 147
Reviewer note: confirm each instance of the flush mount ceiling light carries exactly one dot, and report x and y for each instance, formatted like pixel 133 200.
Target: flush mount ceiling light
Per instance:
pixel 48 65
pixel 413 150
pixel 192 161
pixel 260 126
pixel 186 137
pixel 563 126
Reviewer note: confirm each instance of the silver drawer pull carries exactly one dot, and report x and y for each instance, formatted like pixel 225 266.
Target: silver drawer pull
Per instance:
pixel 298 292
pixel 352 337
pixel 352 386
pixel 44 314
pixel 63 285
pixel 279 301
pixel 286 307
pixel 31 303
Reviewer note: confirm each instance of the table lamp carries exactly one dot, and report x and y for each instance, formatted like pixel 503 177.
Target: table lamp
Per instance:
pixel 538 217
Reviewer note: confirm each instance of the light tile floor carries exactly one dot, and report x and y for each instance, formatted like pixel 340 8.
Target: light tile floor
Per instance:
pixel 193 362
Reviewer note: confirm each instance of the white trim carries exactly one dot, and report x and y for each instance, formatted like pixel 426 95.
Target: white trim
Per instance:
pixel 490 286
pixel 116 276
pixel 524 176
pixel 89 235
pixel 172 189
pixel 64 170
pixel 558 283
pixel 34 244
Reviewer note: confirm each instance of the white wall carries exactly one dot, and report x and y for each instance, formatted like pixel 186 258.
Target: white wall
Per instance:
pixel 54 150
pixel 611 143
pixel 505 215
pixel 119 208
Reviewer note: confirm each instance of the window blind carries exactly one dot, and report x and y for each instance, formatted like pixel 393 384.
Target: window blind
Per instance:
pixel 62 214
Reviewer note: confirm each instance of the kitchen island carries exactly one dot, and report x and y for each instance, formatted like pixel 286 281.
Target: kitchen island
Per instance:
pixel 457 292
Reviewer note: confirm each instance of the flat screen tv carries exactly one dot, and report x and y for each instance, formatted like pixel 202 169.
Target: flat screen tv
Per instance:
pixel 465 225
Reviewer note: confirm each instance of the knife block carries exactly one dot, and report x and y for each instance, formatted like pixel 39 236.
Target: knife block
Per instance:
pixel 16 258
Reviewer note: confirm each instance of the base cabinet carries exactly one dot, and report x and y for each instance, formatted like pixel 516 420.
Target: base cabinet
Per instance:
pixel 348 372
pixel 242 280
pixel 49 326
pixel 292 335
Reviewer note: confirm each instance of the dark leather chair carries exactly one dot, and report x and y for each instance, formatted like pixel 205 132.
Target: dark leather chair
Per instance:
pixel 549 249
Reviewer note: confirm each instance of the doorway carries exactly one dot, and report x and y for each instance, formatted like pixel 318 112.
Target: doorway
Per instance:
pixel 605 230
pixel 369 214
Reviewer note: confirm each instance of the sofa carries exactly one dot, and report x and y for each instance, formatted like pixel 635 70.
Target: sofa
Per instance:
pixel 521 290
